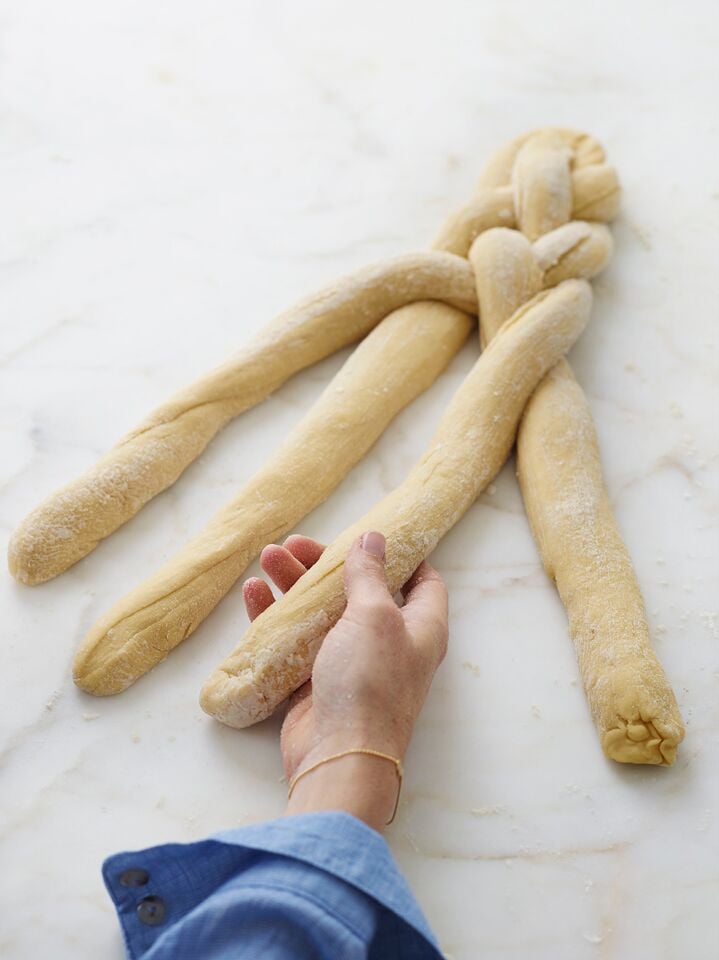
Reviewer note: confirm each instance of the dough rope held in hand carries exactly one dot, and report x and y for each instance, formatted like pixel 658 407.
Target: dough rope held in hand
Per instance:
pixel 560 475
pixel 470 445
pixel 70 523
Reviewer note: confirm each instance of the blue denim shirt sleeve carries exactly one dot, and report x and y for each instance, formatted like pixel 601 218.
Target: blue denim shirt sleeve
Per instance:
pixel 321 885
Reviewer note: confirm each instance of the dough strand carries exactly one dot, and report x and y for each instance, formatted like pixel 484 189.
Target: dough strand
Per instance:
pixel 560 475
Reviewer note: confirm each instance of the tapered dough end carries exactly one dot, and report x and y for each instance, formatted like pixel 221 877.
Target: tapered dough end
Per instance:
pixel 103 667
pixel 233 699
pixel 278 651
pixel 92 675
pixel 58 533
pixel 22 561
pixel 18 570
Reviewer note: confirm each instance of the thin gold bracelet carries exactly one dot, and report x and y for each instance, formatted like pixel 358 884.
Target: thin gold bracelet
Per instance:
pixel 345 753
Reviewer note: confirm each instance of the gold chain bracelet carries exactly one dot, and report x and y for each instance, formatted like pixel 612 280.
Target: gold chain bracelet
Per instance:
pixel 345 753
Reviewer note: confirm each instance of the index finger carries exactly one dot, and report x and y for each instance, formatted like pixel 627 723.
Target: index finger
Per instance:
pixel 304 549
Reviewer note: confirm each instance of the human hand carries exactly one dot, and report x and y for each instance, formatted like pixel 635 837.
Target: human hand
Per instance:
pixel 369 680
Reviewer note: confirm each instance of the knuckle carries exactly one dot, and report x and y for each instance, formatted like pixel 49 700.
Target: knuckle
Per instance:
pixel 384 612
pixel 378 611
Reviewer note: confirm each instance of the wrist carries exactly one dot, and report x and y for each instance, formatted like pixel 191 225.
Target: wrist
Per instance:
pixel 363 785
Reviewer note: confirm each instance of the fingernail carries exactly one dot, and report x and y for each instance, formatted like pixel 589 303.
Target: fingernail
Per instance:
pixel 374 543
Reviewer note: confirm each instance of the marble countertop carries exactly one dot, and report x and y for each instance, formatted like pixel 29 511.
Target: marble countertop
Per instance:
pixel 172 176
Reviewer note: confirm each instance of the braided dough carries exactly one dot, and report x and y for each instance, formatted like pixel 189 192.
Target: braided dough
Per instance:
pixel 70 523
pixel 380 378
pixel 631 701
pixel 393 365
pixel 535 184
pixel 472 442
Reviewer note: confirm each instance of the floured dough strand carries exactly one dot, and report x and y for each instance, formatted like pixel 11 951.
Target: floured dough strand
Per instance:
pixel 471 444
pixel 560 474
pixel 380 377
pixel 71 522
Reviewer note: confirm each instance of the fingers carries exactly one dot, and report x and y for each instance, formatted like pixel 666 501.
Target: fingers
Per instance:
pixel 284 565
pixel 283 569
pixel 425 610
pixel 305 549
pixel 257 596
pixel 364 570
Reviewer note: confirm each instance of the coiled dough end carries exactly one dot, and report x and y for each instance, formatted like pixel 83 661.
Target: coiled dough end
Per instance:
pixel 643 741
pixel 636 713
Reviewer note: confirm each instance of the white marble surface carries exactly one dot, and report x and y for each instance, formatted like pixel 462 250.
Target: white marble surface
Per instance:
pixel 172 175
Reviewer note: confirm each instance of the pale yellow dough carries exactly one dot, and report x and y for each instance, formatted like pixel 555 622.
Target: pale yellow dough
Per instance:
pixel 629 696
pixel 561 478
pixel 472 442
pixel 380 378
pixel 413 313
pixel 71 522
pixel 395 362
pixel 558 464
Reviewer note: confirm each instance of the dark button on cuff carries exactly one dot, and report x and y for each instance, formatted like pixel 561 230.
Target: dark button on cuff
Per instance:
pixel 151 910
pixel 134 878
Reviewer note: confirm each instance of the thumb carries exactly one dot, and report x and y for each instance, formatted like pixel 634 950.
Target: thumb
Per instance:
pixel 364 572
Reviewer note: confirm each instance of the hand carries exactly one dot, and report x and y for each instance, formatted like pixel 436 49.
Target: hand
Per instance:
pixel 369 681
